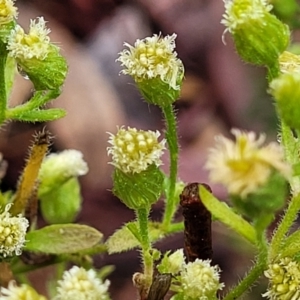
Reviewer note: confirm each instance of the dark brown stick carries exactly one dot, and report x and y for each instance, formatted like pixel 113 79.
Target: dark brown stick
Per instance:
pixel 197 224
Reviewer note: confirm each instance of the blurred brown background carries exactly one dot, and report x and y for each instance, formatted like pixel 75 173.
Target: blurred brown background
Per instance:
pixel 219 92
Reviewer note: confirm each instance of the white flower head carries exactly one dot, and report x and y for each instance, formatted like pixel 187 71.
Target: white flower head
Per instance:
pixel 8 11
pixel 12 233
pixel 68 163
pixel 152 57
pixel 284 280
pixel 238 12
pixel 244 165
pixel 200 280
pixel 35 44
pixel 23 292
pixel 80 284
pixel 134 150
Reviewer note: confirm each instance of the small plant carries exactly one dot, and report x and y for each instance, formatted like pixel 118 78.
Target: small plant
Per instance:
pixel 260 178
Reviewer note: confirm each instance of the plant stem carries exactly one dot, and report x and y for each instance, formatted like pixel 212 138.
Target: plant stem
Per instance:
pixel 172 140
pixel 142 218
pixel 252 276
pixel 284 226
pixel 3 96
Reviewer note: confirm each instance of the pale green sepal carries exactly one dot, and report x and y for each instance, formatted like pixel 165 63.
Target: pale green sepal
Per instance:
pixel 267 199
pixel 37 115
pixel 47 74
pixel 138 190
pixel 127 237
pixel 250 40
pixel 62 239
pixel 157 92
pixel 61 204
pixel 222 212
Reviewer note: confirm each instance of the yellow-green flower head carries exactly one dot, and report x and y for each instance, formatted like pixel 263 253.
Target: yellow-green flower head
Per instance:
pixel 284 280
pixel 244 165
pixel 153 57
pixel 200 280
pixel 23 292
pixel 35 44
pixel 12 233
pixel 239 12
pixel 8 11
pixel 133 151
pixel 289 62
pixel 80 284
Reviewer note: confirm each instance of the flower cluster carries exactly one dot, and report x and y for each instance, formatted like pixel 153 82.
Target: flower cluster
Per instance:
pixel 244 165
pixel 12 233
pixel 8 11
pixel 35 44
pixel 134 150
pixel 23 292
pixel 80 284
pixel 196 280
pixel 284 280
pixel 152 57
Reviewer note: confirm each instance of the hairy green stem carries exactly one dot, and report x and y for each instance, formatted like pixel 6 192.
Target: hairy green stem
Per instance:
pixel 142 218
pixel 172 140
pixel 3 95
pixel 286 223
pixel 252 276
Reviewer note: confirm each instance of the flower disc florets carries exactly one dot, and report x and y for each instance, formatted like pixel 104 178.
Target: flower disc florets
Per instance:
pixel 134 150
pixel 35 44
pixel 80 284
pixel 12 233
pixel 238 12
pixel 284 280
pixel 200 280
pixel 153 57
pixel 23 292
pixel 244 165
pixel 8 11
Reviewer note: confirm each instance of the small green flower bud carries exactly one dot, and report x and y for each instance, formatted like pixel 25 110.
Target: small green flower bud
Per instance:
pixel 172 263
pixel 59 190
pixel 154 66
pixel 286 91
pixel 138 181
pixel 36 56
pixel 250 22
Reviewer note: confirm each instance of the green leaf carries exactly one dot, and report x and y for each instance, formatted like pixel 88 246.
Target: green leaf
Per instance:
pixel 222 212
pixel 62 239
pixel 128 237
